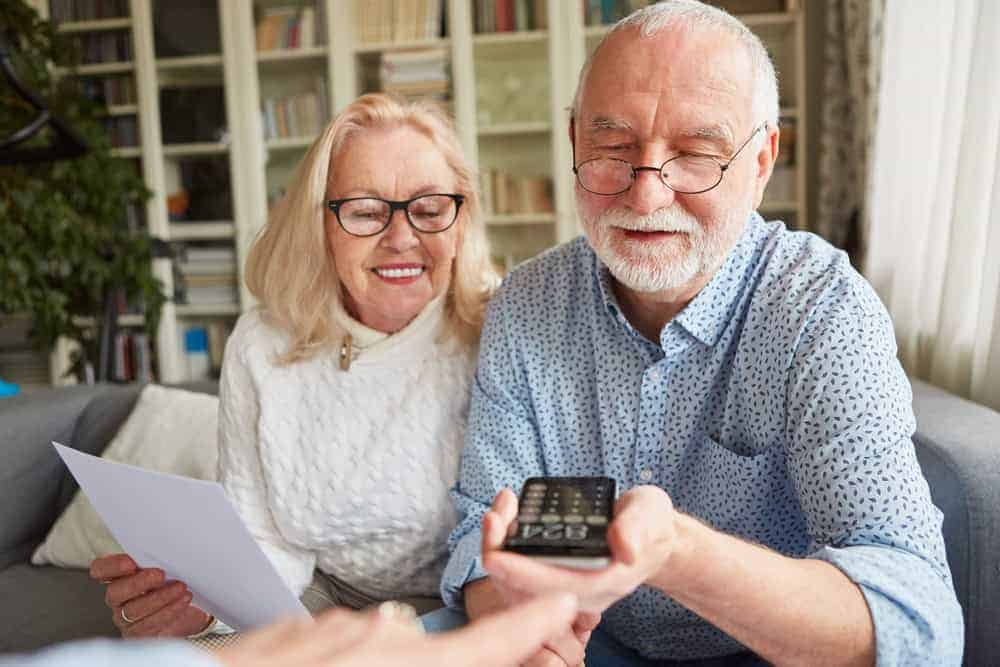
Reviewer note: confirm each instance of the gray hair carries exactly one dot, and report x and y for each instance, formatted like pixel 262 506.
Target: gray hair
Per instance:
pixel 692 14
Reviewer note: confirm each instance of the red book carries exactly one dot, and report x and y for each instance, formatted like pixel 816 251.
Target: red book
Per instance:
pixel 505 15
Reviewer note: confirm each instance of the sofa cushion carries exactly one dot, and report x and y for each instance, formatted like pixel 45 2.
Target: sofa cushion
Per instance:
pixel 42 605
pixel 32 476
pixel 169 430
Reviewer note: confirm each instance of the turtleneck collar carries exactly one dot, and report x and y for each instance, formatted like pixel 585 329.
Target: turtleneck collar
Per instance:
pixel 371 345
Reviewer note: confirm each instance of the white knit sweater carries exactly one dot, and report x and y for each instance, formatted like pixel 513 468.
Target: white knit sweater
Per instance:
pixel 347 471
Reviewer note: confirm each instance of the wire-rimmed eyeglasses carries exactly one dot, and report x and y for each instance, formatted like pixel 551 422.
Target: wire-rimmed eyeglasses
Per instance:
pixel 685 174
pixel 368 216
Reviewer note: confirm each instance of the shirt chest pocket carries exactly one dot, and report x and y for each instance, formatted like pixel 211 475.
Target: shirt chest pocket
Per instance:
pixel 736 492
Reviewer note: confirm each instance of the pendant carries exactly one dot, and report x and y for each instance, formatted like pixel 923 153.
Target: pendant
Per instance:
pixel 346 353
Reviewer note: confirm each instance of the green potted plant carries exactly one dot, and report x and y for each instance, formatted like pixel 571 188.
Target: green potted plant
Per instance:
pixel 64 241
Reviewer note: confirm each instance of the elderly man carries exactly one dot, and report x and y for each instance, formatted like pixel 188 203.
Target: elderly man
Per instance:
pixel 737 378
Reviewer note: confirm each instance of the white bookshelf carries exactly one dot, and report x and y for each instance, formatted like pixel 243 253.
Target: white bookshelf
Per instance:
pixel 540 65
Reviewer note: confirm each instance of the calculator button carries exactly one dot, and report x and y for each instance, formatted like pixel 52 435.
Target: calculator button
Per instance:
pixel 537 487
pixel 551 518
pixel 528 517
pixel 573 518
pixel 594 520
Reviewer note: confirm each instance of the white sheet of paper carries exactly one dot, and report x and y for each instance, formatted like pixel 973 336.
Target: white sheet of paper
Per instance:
pixel 189 529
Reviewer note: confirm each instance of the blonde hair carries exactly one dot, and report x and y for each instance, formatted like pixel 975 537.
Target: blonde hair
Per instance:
pixel 290 268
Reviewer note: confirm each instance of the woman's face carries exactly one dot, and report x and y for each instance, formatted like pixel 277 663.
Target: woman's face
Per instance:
pixel 389 278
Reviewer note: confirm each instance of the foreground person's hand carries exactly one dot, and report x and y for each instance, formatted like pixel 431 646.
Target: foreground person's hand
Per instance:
pixel 143 603
pixel 342 638
pixel 642 537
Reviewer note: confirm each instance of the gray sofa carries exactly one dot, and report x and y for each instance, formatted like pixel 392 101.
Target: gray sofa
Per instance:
pixel 958 444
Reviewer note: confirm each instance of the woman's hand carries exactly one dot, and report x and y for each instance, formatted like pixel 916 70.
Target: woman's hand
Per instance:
pixel 143 603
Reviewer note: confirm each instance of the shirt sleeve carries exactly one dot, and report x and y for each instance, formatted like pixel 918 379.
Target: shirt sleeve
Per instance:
pixel 101 652
pixel 240 469
pixel 866 502
pixel 502 448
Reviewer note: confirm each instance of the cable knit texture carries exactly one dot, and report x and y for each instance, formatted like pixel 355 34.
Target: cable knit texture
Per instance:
pixel 347 471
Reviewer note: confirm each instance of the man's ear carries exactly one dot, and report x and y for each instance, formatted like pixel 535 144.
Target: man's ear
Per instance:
pixel 766 156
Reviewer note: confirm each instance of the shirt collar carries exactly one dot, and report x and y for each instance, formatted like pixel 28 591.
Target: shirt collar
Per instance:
pixel 709 312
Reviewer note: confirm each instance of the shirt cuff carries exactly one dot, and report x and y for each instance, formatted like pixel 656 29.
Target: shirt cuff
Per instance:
pixel 215 627
pixel 464 566
pixel 915 612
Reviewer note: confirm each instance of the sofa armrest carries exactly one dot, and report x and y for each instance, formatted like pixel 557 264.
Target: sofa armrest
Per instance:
pixel 958 445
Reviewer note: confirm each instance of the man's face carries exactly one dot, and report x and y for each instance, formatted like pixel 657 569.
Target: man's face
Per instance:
pixel 647 100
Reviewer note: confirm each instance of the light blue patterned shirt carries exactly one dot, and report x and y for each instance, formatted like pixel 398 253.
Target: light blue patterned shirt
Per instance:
pixel 772 408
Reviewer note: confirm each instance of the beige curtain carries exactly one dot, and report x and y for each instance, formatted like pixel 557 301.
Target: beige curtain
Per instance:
pixel 934 217
pixel 850 75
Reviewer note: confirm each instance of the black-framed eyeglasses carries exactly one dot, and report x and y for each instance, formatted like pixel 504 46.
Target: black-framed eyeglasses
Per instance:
pixel 368 216
pixel 685 174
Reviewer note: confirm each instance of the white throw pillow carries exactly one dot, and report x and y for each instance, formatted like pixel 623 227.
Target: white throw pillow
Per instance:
pixel 169 430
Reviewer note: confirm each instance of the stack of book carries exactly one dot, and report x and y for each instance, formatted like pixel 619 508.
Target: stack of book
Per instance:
pixel 399 20
pixel 413 74
pixel 87 10
pixel 107 47
pixel 510 15
pixel 289 27
pixel 122 131
pixel 111 90
pixel 301 115
pixel 20 362
pixel 505 194
pixel 207 276
pixel 132 360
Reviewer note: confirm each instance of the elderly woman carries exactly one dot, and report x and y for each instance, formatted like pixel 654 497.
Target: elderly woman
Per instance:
pixel 343 395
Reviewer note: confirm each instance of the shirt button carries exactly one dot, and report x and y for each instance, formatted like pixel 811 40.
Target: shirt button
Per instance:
pixel 646 475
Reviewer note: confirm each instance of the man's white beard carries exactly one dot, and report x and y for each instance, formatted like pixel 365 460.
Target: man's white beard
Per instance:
pixel 659 265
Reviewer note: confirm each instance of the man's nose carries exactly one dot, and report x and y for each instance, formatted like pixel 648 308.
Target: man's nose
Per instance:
pixel 648 192
pixel 399 235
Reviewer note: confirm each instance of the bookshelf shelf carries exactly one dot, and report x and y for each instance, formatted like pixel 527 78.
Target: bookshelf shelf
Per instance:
pixel 97 69
pixel 503 129
pixel 123 109
pixel 189 150
pixel 289 143
pixel 127 152
pixel 520 219
pixel 380 47
pixel 510 38
pixel 207 310
pixel 292 55
pixel 754 21
pixel 779 206
pixel 123 23
pixel 189 62
pixel 202 231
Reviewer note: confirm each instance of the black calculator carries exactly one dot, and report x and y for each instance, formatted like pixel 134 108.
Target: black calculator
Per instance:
pixel 564 521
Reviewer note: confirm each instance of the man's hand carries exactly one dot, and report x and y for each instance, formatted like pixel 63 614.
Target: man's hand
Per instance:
pixel 642 536
pixel 152 606
pixel 341 638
